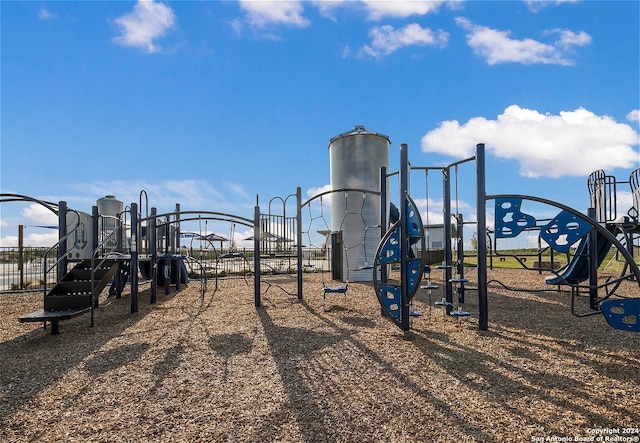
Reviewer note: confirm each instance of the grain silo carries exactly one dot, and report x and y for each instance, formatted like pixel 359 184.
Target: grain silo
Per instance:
pixel 109 208
pixel 356 157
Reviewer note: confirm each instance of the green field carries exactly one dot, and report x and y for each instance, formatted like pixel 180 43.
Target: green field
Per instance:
pixel 512 260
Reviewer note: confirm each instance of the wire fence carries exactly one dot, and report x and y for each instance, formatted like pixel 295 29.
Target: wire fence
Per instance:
pixel 22 268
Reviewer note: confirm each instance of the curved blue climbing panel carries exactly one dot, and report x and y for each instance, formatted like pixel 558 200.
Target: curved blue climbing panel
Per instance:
pixel 622 314
pixel 510 220
pixel 564 230
pixel 390 253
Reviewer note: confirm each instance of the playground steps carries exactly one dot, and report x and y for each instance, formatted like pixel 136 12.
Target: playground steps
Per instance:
pixel 72 296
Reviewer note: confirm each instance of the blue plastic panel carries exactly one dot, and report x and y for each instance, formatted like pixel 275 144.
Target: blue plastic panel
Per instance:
pixel 564 230
pixel 413 276
pixel 390 252
pixel 510 220
pixel 389 297
pixel 622 314
pixel 414 222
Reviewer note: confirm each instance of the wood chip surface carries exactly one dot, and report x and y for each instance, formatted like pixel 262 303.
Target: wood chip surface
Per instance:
pixel 217 369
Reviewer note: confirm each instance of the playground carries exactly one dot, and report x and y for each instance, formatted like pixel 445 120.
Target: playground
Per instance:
pixel 215 368
pixel 345 317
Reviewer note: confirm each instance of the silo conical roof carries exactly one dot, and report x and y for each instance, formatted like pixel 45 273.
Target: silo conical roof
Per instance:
pixel 357 130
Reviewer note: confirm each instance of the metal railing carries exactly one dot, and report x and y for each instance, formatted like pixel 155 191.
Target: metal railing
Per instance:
pixel 46 270
pixel 21 268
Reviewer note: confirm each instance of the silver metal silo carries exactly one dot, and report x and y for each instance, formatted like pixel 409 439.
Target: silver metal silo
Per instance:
pixel 109 205
pixel 356 157
pixel 109 208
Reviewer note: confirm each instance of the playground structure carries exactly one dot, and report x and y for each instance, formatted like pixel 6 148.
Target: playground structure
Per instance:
pixel 405 245
pixel 587 242
pixel 117 245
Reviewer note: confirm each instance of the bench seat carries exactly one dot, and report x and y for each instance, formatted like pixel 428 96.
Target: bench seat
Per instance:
pixel 53 316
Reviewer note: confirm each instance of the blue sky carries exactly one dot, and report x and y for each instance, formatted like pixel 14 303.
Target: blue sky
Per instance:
pixel 209 104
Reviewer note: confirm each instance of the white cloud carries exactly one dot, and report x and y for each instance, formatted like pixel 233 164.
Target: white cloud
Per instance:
pixel 190 194
pixel 634 116
pixel 262 13
pixel 236 189
pixel 39 215
pixel 567 39
pixel 431 213
pixel 573 143
pixel 35 217
pixel 498 47
pixel 31 239
pixel 327 8
pixel 624 201
pixel 537 5
pixel 378 9
pixel 148 21
pixel 45 14
pixel 385 39
pixel 312 192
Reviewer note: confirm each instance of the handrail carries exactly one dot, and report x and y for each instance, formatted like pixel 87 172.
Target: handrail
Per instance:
pixel 116 223
pixel 105 257
pixel 94 266
pixel 46 271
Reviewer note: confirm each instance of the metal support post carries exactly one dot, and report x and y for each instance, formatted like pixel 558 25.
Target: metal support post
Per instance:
pixel 448 259
pixel 299 238
pixel 404 241
pixel 256 253
pixel 95 217
pixel 483 314
pixel 133 264
pixel 383 222
pixel 95 221
pixel 592 238
pixel 61 269
pixel 178 254
pixel 21 254
pixel 153 243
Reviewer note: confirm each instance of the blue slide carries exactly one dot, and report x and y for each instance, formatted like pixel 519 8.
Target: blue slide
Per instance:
pixel 578 269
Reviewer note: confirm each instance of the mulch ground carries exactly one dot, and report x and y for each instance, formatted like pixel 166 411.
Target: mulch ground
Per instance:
pixel 216 369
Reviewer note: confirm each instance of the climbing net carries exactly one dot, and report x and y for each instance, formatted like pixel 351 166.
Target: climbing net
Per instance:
pixel 342 230
pixel 212 254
